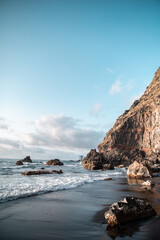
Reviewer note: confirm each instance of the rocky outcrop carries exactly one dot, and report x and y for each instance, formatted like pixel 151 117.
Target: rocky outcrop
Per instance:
pixel 96 161
pixel 136 133
pixel 93 160
pixel 39 172
pixel 139 170
pixel 26 159
pixel 138 129
pixel 19 162
pixel 128 210
pixel 155 168
pixel 54 162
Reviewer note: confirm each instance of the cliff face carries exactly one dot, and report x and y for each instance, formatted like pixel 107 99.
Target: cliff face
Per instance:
pixel 139 127
pixel 136 133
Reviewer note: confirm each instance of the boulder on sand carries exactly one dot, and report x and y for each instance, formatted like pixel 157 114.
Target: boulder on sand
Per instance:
pixel 54 162
pixel 147 185
pixel 128 210
pixel 139 170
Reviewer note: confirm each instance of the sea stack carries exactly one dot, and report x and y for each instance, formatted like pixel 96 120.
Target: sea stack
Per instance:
pixel 136 134
pixel 26 159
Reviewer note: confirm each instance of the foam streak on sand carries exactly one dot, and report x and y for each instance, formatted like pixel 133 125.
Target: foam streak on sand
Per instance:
pixel 13 185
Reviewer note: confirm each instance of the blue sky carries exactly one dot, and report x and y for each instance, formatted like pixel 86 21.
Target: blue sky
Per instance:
pixel 68 69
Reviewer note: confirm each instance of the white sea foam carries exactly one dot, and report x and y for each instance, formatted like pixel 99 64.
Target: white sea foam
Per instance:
pixel 13 185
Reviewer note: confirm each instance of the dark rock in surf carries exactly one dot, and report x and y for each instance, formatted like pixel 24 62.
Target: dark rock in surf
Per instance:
pixel 96 161
pixel 39 172
pixel 54 162
pixel 108 179
pixel 19 162
pixel 26 159
pixel 93 160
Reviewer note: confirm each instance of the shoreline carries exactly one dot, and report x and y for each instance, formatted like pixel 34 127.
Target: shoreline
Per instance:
pixel 75 213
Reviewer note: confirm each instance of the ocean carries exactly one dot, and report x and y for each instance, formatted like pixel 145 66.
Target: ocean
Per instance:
pixel 13 185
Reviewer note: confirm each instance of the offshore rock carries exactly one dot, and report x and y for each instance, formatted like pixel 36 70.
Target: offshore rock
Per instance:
pixel 139 170
pixel 128 210
pixel 38 172
pixel 54 162
pixel 136 133
pixel 19 162
pixel 26 159
pixel 107 179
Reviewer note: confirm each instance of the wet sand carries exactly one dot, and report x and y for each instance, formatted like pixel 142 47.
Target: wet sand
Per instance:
pixel 76 213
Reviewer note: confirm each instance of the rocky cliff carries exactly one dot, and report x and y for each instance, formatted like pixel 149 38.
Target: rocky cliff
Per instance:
pixel 136 133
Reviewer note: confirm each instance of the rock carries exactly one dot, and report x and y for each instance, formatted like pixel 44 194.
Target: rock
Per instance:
pixel 136 133
pixel 54 162
pixel 120 166
pixel 93 160
pixel 139 170
pixel 38 172
pixel 27 159
pixel 147 184
pixel 42 168
pixel 128 210
pixel 108 179
pixel 158 159
pixel 155 168
pixel 19 162
pixel 108 166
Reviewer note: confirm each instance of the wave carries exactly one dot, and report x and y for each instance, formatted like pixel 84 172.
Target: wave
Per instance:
pixel 36 185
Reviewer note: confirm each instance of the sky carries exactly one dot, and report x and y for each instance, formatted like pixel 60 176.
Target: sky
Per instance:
pixel 69 68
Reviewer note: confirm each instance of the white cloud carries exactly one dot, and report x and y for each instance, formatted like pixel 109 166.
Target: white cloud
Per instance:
pixel 63 132
pixel 50 136
pixel 3 124
pixel 96 109
pixel 116 87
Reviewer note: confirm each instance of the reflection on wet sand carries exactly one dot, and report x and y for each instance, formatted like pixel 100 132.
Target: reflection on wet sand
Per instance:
pixel 134 181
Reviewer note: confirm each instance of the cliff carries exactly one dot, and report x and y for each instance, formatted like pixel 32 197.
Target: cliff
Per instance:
pixel 136 133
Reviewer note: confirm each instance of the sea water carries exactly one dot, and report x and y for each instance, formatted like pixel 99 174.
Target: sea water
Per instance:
pixel 13 185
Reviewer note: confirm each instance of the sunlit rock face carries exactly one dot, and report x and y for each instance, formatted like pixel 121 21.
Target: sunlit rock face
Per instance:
pixel 137 130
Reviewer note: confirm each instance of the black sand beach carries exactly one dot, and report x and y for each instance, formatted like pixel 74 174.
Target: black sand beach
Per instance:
pixel 76 213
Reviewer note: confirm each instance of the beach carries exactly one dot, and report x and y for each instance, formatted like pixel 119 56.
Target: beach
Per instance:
pixel 75 213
